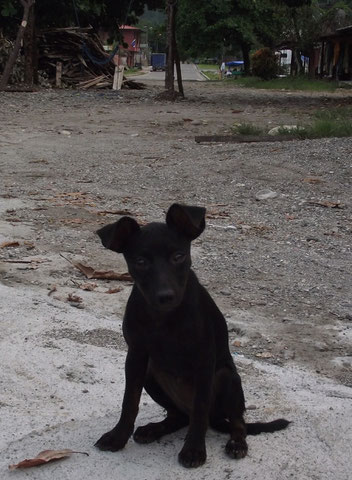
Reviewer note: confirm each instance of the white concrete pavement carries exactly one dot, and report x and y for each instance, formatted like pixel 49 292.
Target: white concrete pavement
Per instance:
pixel 189 71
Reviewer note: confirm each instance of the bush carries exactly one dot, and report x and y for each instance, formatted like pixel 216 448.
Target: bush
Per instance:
pixel 265 64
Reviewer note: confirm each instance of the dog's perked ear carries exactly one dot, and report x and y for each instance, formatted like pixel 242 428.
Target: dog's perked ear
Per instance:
pixel 117 235
pixel 187 220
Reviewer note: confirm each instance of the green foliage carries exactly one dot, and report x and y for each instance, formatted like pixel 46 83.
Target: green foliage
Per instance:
pixel 265 64
pixel 288 83
pixel 61 13
pixel 247 129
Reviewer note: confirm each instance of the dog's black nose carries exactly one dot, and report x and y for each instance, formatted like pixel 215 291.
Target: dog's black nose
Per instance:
pixel 166 297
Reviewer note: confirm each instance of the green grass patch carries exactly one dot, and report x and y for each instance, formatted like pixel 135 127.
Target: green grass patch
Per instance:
pixel 288 83
pixel 335 122
pixel 325 123
pixel 246 129
pixel 205 66
pixel 132 71
pixel 212 75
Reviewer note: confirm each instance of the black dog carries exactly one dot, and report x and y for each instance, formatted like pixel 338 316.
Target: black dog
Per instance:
pixel 177 342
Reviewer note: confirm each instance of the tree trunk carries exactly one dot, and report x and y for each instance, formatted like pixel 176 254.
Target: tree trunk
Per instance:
pixel 14 54
pixel 246 60
pixel 30 51
pixel 169 73
pixel 177 59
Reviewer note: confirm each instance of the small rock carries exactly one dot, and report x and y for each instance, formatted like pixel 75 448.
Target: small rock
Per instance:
pixel 251 407
pixel 283 129
pixel 265 194
pixel 65 132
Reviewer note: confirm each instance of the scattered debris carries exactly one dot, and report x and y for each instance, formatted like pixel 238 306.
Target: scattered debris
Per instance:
pixel 90 273
pixel 265 194
pixel 9 244
pixel 114 290
pixel 313 180
pixel 327 204
pixel 89 287
pixel 264 355
pixel 74 298
pixel 43 457
pixel 242 138
pixel 52 290
pixel 75 57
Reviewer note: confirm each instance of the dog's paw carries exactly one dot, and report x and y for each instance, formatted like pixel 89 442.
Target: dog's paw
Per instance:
pixel 236 448
pixel 192 457
pixel 111 441
pixel 147 434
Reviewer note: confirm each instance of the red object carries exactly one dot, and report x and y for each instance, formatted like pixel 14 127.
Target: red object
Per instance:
pixel 132 37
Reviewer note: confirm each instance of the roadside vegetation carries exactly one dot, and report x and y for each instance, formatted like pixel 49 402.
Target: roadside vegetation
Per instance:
pixel 288 83
pixel 335 122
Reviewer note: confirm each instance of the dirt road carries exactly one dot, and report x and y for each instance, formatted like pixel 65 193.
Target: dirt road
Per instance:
pixel 280 269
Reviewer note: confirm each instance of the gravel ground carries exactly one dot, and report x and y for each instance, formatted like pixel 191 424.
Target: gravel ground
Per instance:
pixel 280 268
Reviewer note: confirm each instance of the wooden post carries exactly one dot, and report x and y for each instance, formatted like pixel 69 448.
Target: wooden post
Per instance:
pixel 120 77
pixel 14 54
pixel 58 74
pixel 116 76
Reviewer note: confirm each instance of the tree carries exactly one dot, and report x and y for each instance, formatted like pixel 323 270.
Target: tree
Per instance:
pixel 213 26
pixel 27 4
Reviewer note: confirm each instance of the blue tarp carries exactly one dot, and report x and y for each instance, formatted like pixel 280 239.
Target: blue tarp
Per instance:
pixel 234 63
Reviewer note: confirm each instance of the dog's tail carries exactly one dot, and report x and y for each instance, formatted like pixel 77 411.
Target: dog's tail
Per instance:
pixel 266 427
pixel 223 426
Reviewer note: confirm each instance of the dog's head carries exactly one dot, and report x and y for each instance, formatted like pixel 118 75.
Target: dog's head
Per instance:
pixel 158 254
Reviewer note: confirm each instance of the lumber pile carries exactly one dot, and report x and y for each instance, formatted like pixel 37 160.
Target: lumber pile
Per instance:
pixel 80 56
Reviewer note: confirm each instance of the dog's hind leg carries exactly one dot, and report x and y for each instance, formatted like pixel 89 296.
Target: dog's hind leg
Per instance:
pixel 174 420
pixel 228 410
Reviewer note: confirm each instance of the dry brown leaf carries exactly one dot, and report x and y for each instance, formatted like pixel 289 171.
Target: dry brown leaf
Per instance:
pixel 9 244
pixel 52 290
pixel 313 180
pixel 89 287
pixel 45 456
pixel 237 343
pixel 114 290
pixel 90 273
pixel 74 298
pixel 327 204
pixel 264 355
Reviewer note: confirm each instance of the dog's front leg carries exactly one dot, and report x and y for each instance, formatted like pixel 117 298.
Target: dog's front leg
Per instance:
pixel 135 371
pixel 193 453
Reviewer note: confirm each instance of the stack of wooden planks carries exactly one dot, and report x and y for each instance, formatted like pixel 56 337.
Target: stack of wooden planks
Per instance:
pixel 75 57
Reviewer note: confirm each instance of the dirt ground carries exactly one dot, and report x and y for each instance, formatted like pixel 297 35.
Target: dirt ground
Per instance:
pixel 280 268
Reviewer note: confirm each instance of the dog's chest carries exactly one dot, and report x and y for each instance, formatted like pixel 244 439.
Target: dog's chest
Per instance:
pixel 179 389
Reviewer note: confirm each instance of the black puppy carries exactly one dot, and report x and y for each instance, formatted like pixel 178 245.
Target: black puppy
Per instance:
pixel 177 342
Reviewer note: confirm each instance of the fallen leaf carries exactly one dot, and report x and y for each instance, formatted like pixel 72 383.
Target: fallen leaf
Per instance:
pixel 45 456
pixel 237 343
pixel 264 355
pixel 328 204
pixel 187 120
pixel 114 290
pixel 90 273
pixel 74 298
pixel 313 180
pixel 89 287
pixel 9 244
pixel 52 290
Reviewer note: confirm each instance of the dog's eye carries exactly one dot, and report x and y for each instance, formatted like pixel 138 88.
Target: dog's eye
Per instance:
pixel 141 262
pixel 178 257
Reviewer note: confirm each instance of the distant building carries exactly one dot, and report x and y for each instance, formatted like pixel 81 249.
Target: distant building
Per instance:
pixel 335 56
pixel 131 37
